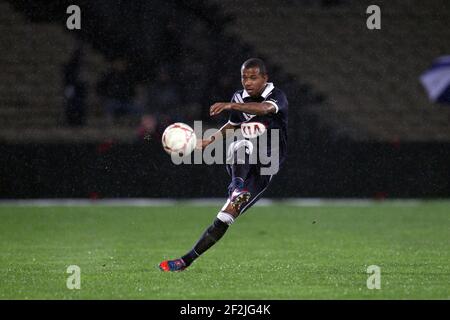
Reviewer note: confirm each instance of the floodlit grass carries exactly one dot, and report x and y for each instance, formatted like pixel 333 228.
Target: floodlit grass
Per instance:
pixel 274 252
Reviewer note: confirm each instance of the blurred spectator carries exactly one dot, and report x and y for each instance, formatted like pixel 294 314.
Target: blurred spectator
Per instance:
pixel 116 89
pixel 75 89
pixel 149 122
pixel 148 128
pixel 165 97
pixel 140 98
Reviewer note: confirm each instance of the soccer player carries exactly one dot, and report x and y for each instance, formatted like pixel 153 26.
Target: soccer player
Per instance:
pixel 260 102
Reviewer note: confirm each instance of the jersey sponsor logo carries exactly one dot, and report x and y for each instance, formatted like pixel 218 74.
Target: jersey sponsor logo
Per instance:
pixel 252 129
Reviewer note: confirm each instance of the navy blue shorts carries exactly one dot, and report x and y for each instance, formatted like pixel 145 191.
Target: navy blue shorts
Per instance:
pixel 255 183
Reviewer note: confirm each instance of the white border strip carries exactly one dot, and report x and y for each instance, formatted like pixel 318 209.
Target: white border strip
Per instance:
pixel 160 202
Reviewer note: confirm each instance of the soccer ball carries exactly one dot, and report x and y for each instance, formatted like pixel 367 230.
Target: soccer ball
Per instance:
pixel 179 139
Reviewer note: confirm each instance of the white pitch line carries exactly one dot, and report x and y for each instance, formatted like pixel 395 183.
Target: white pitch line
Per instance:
pixel 121 202
pixel 161 202
pixel 350 202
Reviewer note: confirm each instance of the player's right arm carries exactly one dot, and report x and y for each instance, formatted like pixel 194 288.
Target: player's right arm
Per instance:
pixel 219 134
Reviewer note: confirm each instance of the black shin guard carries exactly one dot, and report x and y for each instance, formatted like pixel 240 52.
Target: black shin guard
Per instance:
pixel 206 241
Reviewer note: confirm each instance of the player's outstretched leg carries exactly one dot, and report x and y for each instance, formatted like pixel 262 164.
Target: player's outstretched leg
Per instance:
pixel 257 184
pixel 211 235
pixel 240 169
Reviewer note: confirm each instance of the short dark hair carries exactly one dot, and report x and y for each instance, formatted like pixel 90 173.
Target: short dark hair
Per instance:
pixel 255 63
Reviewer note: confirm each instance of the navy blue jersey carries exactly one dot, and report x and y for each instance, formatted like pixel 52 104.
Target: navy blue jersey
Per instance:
pixel 277 120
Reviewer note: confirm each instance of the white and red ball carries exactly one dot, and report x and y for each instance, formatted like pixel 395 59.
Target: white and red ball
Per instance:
pixel 179 139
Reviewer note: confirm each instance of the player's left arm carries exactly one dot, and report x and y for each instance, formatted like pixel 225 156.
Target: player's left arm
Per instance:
pixel 256 108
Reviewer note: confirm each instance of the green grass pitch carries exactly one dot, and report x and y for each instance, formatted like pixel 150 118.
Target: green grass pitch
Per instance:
pixel 272 252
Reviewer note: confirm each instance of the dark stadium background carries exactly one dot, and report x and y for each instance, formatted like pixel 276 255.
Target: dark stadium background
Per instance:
pixel 360 123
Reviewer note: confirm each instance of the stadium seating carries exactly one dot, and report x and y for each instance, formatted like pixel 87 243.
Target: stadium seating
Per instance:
pixel 371 77
pixel 37 46
pixel 32 56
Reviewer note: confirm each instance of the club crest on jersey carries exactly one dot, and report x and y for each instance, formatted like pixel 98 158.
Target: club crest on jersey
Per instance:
pixel 252 129
pixel 248 116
